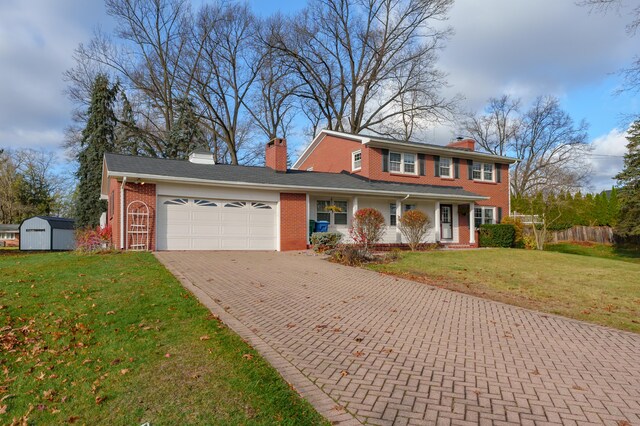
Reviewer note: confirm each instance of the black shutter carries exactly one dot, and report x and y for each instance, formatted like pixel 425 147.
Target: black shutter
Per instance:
pixel 436 162
pixel 470 166
pixel 422 165
pixel 385 160
pixel 498 172
pixel 456 168
pixel 499 214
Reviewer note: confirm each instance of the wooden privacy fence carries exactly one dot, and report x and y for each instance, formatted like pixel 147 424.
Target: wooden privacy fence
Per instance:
pixel 596 234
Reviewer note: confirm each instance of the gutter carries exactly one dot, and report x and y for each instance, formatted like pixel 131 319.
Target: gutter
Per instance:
pixel 273 187
pixel 124 180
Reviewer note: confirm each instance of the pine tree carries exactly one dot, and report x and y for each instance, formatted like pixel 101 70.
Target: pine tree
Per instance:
pixel 186 134
pixel 629 187
pixel 127 134
pixel 98 137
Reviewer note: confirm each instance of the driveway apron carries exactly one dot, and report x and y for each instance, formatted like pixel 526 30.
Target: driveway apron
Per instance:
pixel 369 348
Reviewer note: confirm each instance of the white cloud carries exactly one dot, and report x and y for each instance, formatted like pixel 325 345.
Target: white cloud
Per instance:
pixel 606 159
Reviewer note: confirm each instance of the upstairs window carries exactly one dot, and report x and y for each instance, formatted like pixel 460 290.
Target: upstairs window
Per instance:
pixel 483 171
pixel 445 167
pixel 356 160
pixel 402 163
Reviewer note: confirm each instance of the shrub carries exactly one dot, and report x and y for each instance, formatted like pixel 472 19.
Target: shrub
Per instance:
pixel 93 239
pixel 518 239
pixel 529 242
pixel 367 228
pixel 497 235
pixel 414 225
pixel 350 255
pixel 323 241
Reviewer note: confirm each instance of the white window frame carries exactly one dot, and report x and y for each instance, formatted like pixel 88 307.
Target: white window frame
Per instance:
pixel 483 219
pixel 480 167
pixel 393 214
pixel 356 164
pixel 449 166
pixel 332 219
pixel 403 163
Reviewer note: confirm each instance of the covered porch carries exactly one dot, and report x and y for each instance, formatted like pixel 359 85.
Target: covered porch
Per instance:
pixel 452 220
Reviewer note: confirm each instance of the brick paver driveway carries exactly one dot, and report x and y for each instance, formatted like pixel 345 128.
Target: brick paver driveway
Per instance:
pixel 389 351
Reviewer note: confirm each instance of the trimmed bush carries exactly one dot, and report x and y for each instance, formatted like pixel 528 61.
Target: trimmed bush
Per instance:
pixel 323 241
pixel 350 255
pixel 518 240
pixel 502 235
pixel 367 228
pixel 91 240
pixel 414 226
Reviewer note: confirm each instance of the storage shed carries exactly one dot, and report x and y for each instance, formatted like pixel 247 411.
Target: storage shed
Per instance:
pixel 47 233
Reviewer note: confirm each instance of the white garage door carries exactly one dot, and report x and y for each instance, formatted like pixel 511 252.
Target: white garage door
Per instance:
pixel 204 224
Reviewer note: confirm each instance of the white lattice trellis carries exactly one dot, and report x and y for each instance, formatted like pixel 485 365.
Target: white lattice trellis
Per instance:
pixel 137 226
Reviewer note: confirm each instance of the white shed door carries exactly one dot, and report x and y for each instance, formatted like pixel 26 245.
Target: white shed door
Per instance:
pixel 199 224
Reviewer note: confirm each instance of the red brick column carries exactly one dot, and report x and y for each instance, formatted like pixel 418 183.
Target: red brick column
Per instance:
pixel 293 221
pixel 147 194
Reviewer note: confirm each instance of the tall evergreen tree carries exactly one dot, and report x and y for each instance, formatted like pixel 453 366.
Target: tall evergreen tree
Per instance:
pixel 186 133
pixel 629 187
pixel 98 137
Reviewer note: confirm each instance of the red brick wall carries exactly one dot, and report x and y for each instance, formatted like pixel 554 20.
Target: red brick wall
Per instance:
pixel 132 192
pixel 293 221
pixel 332 154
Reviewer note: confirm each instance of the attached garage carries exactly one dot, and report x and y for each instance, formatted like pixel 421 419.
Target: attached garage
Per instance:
pixel 187 223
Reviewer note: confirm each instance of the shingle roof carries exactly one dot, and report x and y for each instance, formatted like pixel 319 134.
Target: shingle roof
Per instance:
pixel 59 222
pixel 119 165
pixel 9 227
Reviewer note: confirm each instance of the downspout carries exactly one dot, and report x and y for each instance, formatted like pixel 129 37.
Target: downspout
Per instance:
pixel 124 181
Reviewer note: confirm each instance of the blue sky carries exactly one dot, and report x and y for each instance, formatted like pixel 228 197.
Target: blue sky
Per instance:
pixel 523 47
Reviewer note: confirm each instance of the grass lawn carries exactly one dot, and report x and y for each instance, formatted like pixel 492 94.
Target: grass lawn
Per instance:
pixel 603 291
pixel 115 339
pixel 597 250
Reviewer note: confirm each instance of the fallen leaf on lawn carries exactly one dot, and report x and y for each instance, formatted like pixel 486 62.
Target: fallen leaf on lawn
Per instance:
pixel 167 355
pixel 100 399
pixel 124 371
pixel 73 419
pixel 344 373
pixel 3 409
pixel 247 356
pixel 81 275
pixel 49 394
pixel 86 361
pixel 205 337
pixel 40 376
pixel 55 411
pixel 111 312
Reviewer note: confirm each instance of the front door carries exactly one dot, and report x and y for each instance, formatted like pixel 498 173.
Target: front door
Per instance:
pixel 446 222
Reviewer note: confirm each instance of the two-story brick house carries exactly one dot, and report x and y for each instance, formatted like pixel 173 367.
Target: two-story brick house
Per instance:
pixel 195 204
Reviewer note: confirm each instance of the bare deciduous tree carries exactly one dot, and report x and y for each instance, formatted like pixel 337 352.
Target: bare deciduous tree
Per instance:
pixel 631 74
pixel 549 144
pixel 356 62
pixel 496 129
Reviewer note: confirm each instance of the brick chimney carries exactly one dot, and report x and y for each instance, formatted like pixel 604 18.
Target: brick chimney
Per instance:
pixel 463 143
pixel 276 155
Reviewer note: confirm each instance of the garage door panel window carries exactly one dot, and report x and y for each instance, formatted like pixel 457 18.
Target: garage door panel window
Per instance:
pixel 261 206
pixel 177 202
pixel 236 204
pixel 205 203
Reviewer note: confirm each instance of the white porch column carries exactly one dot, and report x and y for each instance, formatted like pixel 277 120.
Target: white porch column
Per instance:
pixel 472 223
pixel 398 216
pixel 355 207
pixel 437 222
pixel 308 217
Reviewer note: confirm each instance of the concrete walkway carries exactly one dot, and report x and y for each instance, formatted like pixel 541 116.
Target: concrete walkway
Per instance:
pixel 368 348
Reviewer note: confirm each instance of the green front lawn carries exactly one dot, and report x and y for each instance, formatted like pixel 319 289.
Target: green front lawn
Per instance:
pixel 603 291
pixel 115 339
pixel 597 250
